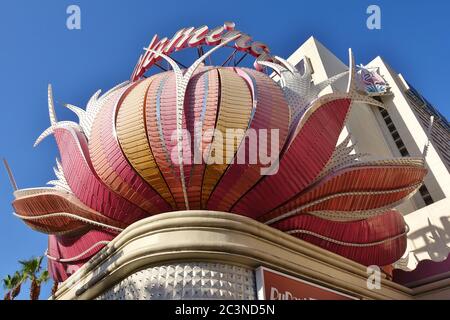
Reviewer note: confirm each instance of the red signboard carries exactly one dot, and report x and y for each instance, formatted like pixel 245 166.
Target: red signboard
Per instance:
pixel 273 285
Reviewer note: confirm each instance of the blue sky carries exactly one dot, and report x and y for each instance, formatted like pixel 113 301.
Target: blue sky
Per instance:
pixel 36 48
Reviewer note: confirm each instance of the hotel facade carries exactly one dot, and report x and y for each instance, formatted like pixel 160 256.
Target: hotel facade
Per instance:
pixel 358 209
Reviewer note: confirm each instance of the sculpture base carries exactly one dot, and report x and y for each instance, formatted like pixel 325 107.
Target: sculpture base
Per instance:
pixel 216 255
pixel 186 281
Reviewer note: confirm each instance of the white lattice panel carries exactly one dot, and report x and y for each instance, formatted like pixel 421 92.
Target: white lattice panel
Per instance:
pixel 186 281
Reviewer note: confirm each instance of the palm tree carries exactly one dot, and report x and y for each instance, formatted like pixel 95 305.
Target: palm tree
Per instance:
pixel 8 285
pixel 13 285
pixel 54 288
pixel 17 281
pixel 43 278
pixel 32 270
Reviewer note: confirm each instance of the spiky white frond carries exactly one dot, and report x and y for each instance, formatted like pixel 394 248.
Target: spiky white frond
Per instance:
pixel 94 105
pixel 298 89
pixel 53 120
pixel 61 181
pixel 343 156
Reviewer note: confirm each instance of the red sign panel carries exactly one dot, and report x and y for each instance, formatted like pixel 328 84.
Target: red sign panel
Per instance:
pixel 273 285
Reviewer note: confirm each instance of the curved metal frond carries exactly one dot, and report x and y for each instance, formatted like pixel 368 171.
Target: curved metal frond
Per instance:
pixel 58 125
pixel 43 135
pixel 93 99
pixel 287 64
pixel 78 111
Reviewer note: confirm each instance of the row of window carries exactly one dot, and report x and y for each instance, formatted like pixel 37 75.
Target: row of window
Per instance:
pixel 441 128
pixel 403 151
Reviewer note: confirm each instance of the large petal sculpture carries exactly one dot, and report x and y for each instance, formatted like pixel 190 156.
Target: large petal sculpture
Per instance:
pixel 157 145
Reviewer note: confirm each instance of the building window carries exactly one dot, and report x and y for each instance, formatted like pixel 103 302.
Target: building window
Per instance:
pixel 403 151
pixel 423 110
pixel 425 195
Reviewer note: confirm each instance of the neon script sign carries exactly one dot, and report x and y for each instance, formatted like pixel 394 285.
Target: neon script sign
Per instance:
pixel 191 37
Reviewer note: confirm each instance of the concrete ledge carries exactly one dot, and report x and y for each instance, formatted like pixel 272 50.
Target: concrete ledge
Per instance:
pixel 196 235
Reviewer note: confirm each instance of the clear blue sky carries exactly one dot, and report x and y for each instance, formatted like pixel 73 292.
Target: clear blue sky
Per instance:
pixel 36 48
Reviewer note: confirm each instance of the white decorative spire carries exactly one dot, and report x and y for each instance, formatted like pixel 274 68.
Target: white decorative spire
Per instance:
pixel 10 175
pixel 52 116
pixel 351 85
pixel 51 106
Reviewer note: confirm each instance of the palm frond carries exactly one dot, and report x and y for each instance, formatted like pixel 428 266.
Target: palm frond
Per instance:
pixel 44 277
